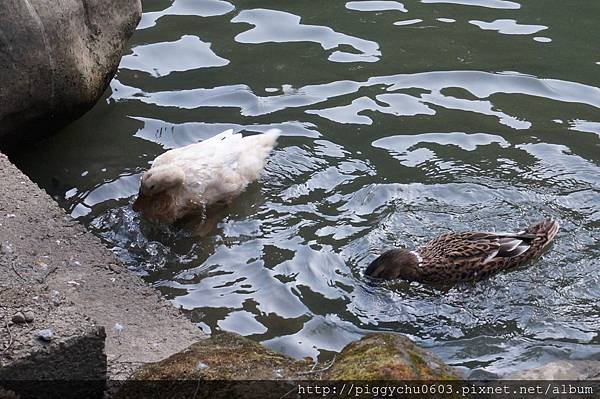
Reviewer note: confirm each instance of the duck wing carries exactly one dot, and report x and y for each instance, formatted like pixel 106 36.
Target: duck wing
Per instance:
pixel 214 174
pixel 485 246
pixel 514 245
pixel 470 255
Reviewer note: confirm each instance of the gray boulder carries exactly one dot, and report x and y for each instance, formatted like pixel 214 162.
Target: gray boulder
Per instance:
pixel 56 59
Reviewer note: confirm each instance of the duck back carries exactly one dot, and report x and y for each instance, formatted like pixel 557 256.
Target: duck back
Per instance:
pixel 221 167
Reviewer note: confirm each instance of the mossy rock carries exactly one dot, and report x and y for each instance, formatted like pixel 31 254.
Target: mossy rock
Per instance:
pixel 388 356
pixel 209 368
pixel 223 356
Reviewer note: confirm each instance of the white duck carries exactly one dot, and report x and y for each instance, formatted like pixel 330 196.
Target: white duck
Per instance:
pixel 185 180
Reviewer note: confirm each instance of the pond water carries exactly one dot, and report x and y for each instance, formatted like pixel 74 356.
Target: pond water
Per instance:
pixel 401 121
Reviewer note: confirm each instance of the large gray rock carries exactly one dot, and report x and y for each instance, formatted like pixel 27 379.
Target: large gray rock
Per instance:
pixel 56 59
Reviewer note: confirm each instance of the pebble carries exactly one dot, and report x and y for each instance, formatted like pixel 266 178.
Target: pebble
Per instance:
pixel 29 316
pixel 42 265
pixel 6 248
pixel 19 318
pixel 44 335
pixel 201 366
pixel 119 328
pixel 55 295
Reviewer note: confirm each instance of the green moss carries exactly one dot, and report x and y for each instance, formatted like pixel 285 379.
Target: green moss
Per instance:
pixel 387 356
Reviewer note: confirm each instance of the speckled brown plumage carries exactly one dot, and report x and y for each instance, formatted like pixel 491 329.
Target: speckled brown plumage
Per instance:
pixel 467 256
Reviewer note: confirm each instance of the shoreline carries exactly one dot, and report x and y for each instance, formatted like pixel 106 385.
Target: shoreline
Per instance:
pixel 69 283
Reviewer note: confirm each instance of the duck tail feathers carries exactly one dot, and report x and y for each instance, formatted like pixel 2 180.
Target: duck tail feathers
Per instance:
pixel 269 138
pixel 273 132
pixel 267 141
pixel 547 227
pixel 256 151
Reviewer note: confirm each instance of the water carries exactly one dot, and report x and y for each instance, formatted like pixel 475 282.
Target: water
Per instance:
pixel 401 121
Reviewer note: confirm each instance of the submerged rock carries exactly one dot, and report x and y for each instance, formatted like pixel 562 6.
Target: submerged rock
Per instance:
pixel 561 370
pixel 57 59
pixel 387 356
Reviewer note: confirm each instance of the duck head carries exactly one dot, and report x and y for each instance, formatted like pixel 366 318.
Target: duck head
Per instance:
pixel 156 188
pixel 161 178
pixel 396 263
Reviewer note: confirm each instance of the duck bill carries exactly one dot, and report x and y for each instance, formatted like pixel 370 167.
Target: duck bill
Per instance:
pixel 141 203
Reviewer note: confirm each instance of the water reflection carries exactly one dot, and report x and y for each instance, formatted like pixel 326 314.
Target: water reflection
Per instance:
pixel 585 126
pixel 204 8
pixel 480 84
pixel 185 54
pixel 374 5
pixel 509 27
pixel 281 27
pixel 499 4
pixel 408 22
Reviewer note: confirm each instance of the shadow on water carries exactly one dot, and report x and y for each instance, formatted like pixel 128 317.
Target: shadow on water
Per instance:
pixel 401 121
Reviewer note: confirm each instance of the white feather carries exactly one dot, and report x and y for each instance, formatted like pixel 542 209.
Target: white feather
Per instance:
pixel 221 167
pixel 521 249
pixel 510 245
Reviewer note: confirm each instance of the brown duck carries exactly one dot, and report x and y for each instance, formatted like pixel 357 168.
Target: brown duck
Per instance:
pixel 468 256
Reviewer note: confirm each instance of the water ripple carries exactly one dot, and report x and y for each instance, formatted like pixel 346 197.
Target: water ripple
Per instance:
pixel 374 5
pixel 499 4
pixel 481 84
pixel 160 59
pixel 204 8
pixel 281 27
pixel 509 27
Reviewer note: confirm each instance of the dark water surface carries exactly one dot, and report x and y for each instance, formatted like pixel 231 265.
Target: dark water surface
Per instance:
pixel 401 121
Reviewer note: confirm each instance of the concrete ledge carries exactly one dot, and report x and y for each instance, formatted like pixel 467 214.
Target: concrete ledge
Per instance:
pixel 64 280
pixel 73 351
